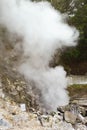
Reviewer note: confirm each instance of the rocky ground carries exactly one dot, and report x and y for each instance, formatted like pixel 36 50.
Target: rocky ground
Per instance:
pixel 14 116
pixel 20 111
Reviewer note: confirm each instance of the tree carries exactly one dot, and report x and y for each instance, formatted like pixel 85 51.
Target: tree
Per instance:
pixel 77 12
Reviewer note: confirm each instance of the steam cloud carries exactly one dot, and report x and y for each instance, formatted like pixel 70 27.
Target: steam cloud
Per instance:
pixel 43 30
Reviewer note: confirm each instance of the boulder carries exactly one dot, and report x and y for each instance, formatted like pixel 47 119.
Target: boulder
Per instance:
pixel 70 117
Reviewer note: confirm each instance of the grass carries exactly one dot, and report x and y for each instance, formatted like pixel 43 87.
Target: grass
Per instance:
pixel 77 90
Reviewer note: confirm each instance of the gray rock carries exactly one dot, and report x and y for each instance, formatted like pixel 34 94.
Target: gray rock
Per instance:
pixel 80 101
pixel 80 127
pixel 64 126
pixel 4 122
pixel 2 95
pixel 81 118
pixel 83 111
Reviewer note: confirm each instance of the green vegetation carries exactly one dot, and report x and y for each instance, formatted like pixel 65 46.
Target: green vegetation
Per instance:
pixel 77 11
pixel 78 90
pixel 79 20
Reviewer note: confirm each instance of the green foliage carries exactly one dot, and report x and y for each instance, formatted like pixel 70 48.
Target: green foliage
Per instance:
pixel 70 54
pixel 78 18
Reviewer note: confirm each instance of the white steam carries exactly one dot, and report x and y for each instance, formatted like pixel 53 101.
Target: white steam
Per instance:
pixel 43 30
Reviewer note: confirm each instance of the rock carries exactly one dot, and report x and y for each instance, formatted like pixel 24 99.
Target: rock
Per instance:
pixel 81 118
pixel 20 117
pixel 80 126
pixel 4 123
pixel 74 108
pixel 85 121
pixel 64 126
pixel 60 109
pixel 80 101
pixel 60 115
pixel 70 117
pixel 83 111
pixel 2 95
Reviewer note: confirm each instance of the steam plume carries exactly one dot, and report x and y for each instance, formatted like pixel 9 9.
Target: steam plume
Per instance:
pixel 43 30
